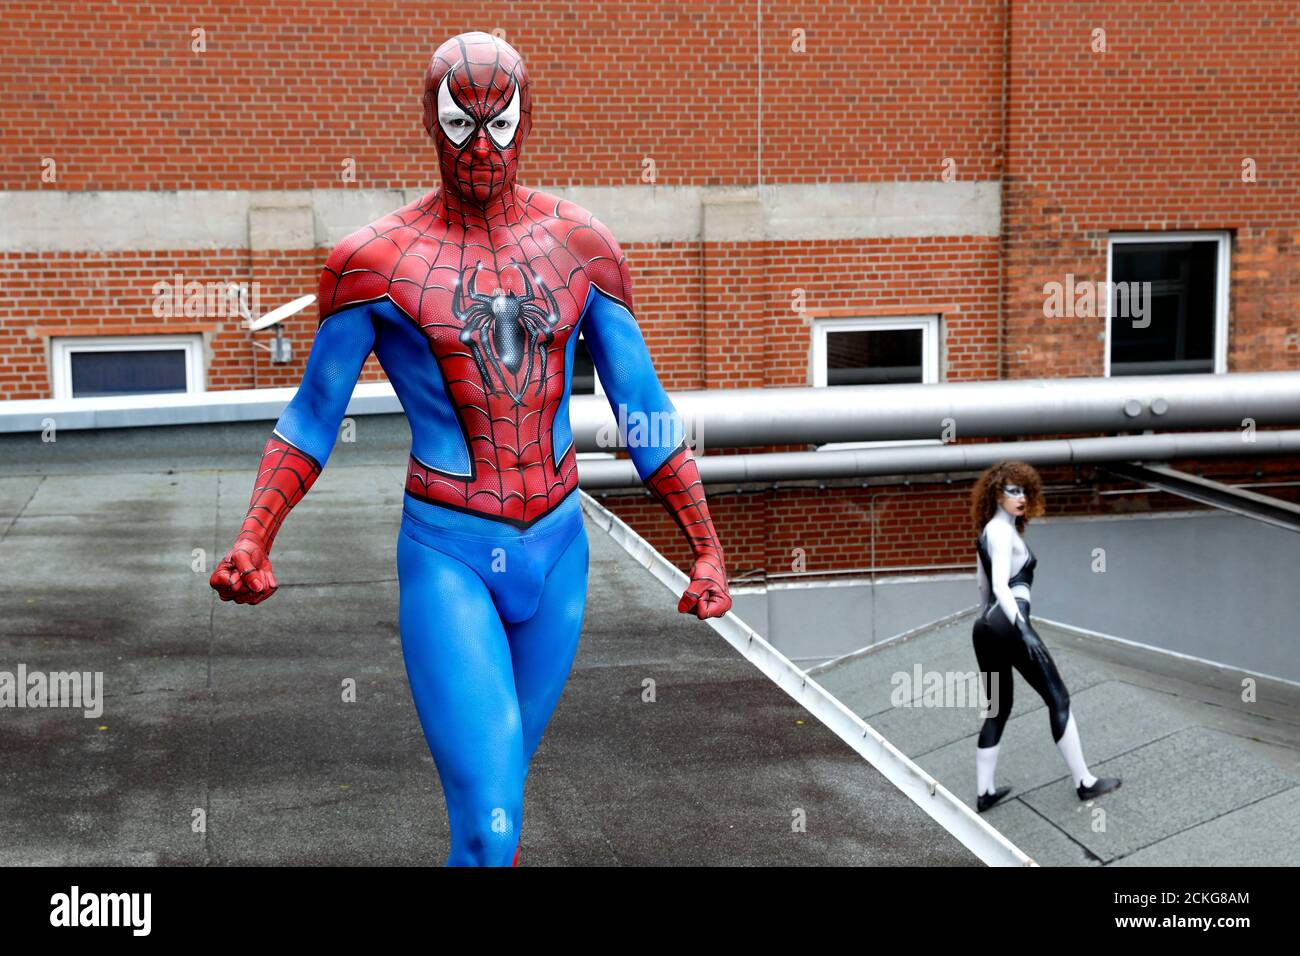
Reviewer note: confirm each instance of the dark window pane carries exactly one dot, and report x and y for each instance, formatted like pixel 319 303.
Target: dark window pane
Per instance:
pixel 584 370
pixel 1180 336
pixel 128 372
pixel 874 357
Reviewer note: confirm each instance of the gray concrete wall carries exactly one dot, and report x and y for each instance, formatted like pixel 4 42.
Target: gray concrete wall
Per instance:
pixel 1211 585
pixel 812 623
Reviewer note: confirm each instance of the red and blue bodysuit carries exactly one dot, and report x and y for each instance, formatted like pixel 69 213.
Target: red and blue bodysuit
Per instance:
pixel 473 298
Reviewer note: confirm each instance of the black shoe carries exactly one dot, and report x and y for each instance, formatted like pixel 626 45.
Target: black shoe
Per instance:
pixel 986 800
pixel 1100 785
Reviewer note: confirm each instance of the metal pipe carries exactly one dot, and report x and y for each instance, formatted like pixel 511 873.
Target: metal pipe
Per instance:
pixel 596 474
pixel 739 418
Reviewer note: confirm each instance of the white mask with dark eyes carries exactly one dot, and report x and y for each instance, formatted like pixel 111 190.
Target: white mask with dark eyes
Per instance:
pixel 458 125
pixel 1013 491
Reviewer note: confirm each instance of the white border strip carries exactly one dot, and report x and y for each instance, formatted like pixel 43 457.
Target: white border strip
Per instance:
pixel 937 801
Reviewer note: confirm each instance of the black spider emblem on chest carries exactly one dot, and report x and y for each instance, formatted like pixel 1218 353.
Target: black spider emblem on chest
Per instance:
pixel 506 332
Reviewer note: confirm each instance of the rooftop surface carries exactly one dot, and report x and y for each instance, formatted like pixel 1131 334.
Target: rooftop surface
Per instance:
pixel 224 738
pixel 1209 778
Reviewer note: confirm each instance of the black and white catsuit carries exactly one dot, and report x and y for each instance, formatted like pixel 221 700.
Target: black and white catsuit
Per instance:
pixel 1004 638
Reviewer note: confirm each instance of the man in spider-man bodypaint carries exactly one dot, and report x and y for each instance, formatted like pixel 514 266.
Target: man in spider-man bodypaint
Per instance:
pixel 472 298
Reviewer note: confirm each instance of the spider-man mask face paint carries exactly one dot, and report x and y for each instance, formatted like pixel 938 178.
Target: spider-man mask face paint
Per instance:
pixel 478 111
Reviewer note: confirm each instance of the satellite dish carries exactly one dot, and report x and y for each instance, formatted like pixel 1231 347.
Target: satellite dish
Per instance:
pixel 280 314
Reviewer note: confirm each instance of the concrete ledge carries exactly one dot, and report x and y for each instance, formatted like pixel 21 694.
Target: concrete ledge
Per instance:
pixel 48 220
pixel 133 411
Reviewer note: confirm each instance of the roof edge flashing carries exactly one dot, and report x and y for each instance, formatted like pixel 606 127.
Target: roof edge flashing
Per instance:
pixel 967 827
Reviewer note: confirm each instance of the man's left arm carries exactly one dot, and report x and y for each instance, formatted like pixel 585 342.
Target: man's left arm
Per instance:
pixel 655 436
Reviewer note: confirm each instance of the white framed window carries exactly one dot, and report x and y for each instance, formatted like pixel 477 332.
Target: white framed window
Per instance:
pixel 102 365
pixel 880 351
pixel 1167 311
pixel 876 351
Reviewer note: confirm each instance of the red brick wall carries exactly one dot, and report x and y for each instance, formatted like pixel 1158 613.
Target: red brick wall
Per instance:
pixel 885 91
pixel 957 277
pixel 1150 135
pixel 285 91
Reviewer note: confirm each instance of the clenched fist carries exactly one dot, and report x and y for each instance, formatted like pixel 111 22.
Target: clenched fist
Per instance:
pixel 244 575
pixel 706 595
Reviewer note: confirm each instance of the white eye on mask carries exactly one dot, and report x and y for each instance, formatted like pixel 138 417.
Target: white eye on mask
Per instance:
pixel 457 125
pixel 502 126
pixel 1013 491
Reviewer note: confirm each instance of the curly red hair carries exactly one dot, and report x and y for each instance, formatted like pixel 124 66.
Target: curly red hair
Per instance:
pixel 985 495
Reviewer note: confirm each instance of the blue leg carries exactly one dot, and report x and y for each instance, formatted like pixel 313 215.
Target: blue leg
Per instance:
pixel 542 648
pixel 458 663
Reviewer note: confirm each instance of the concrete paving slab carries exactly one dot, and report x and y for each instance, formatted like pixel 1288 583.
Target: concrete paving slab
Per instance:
pixel 119 789
pixel 14 495
pixel 1170 785
pixel 1052 846
pixel 1264 833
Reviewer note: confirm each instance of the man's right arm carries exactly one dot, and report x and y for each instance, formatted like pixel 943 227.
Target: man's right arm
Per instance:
pixel 296 452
